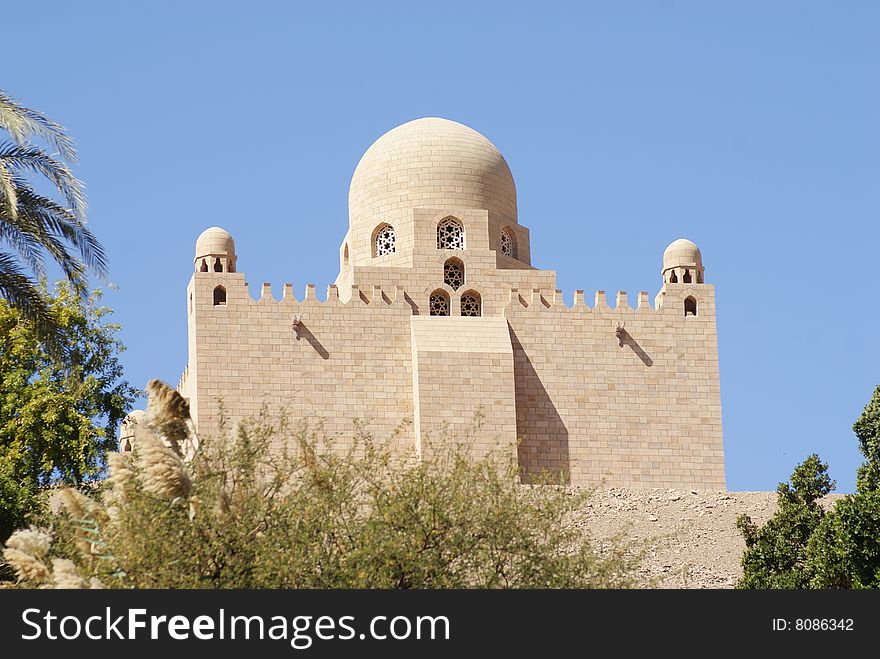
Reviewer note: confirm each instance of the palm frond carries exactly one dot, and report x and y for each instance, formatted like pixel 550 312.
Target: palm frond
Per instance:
pixel 27 157
pixel 30 234
pixel 24 123
pixel 34 225
pixel 59 221
pixel 22 293
pixel 18 233
pixel 8 197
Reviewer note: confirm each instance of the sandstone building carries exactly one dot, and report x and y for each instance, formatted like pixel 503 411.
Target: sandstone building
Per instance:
pixel 437 315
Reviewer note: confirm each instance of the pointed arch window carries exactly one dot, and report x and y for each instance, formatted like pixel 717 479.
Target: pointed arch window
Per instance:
pixel 384 241
pixel 219 296
pixel 471 304
pixel 690 306
pixel 450 234
pixel 453 273
pixel 508 243
pixel 439 303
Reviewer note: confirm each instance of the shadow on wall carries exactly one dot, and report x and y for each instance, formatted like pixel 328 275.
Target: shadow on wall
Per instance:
pixel 303 332
pixel 626 339
pixel 543 438
pixel 411 303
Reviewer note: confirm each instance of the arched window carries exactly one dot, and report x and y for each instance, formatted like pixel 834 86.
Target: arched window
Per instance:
pixel 690 306
pixel 219 296
pixel 508 243
pixel 439 303
pixel 450 234
pixel 453 273
pixel 699 277
pixel 383 242
pixel 204 266
pixel 687 277
pixel 672 278
pixel 218 267
pixel 471 304
pixel 345 255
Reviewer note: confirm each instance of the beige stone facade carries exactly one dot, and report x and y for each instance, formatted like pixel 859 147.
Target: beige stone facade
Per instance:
pixel 438 317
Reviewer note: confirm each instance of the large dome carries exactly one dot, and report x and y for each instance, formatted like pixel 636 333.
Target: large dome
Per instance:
pixel 433 163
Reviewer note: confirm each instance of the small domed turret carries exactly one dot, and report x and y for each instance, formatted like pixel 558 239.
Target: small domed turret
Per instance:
pixel 682 263
pixel 215 251
pixel 127 430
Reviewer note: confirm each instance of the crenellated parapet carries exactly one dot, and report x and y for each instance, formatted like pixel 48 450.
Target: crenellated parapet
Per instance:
pixel 518 300
pixel 361 295
pixel 184 380
pixel 538 300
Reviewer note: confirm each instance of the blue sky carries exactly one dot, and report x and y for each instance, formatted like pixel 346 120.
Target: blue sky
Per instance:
pixel 749 127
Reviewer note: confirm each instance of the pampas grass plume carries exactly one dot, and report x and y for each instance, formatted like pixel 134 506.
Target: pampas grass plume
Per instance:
pixel 25 550
pixel 77 504
pixel 161 469
pixel 167 413
pixel 27 566
pixel 33 541
pixel 65 575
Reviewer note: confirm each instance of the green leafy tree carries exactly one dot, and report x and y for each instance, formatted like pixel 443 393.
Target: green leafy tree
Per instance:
pixel 776 553
pixel 58 411
pixel 20 499
pixel 802 546
pixel 34 225
pixel 844 552
pixel 867 429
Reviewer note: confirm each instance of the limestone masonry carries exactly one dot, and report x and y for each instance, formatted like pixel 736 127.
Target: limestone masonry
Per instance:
pixel 437 316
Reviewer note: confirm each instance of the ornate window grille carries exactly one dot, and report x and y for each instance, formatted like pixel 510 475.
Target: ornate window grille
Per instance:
pixel 439 303
pixel 385 240
pixel 450 234
pixel 507 243
pixel 453 274
pixel 470 304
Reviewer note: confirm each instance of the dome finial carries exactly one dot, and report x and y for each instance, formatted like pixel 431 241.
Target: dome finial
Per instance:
pixel 682 263
pixel 215 251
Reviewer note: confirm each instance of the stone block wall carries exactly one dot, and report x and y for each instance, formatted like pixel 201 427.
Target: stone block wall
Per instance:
pixel 638 407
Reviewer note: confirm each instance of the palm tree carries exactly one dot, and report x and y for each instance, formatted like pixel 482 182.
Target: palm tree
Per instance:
pixel 34 225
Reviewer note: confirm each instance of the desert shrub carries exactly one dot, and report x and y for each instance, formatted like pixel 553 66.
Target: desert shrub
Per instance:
pixel 272 505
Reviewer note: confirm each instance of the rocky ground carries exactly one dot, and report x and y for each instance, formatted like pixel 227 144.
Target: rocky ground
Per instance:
pixel 689 536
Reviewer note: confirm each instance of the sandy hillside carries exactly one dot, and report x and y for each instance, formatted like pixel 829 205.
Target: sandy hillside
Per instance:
pixel 690 535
